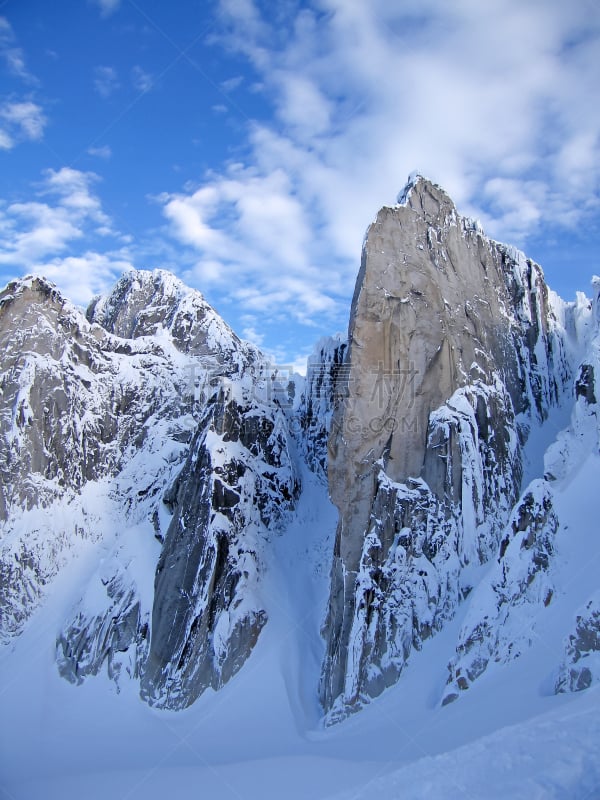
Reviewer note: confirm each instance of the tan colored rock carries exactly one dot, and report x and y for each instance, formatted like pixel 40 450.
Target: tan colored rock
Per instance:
pixel 437 306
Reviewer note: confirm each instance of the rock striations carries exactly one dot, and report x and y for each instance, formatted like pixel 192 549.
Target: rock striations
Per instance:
pixel 147 448
pixel 454 350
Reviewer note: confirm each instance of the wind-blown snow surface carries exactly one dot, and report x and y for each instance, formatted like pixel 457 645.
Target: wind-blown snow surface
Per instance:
pixel 259 736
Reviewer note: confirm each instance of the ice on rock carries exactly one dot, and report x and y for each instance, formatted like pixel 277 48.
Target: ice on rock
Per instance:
pixel 325 369
pixel 441 391
pixel 107 423
pixel 499 623
pixel 149 446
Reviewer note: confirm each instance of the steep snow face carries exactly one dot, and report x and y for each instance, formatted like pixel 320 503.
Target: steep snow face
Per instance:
pixel 500 622
pixel 581 666
pixel 455 352
pixel 174 435
pixel 498 626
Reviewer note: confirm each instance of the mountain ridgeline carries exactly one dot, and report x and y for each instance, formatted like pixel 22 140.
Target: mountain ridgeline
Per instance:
pixel 148 449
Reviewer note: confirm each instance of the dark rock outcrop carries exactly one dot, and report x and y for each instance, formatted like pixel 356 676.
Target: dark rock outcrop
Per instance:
pixel 581 666
pixel 237 482
pixel 323 375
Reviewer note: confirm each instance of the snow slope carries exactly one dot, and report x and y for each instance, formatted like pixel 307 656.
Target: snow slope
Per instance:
pixel 259 736
pixel 517 731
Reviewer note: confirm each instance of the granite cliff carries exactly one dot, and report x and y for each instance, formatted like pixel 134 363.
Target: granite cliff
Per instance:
pixel 172 471
pixel 455 351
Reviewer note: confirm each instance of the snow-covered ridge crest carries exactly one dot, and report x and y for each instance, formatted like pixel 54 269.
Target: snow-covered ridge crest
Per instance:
pixel 112 412
pixel 156 303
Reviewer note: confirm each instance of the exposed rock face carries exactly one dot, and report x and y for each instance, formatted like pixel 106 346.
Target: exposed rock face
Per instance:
pixel 237 481
pixel 161 426
pixel 581 666
pixel 453 345
pixel 318 400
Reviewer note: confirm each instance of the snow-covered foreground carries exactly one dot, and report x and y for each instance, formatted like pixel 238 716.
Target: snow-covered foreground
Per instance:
pixel 508 736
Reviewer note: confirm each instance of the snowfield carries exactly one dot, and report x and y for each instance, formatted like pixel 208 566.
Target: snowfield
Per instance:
pixel 198 550
pixel 508 736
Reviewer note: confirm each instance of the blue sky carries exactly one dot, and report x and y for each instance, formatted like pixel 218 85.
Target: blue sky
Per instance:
pixel 247 145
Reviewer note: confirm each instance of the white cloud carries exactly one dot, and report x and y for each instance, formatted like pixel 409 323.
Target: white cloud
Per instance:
pixel 35 230
pixel 13 55
pixel 106 81
pixel 231 84
pixel 84 276
pixel 6 143
pixel 107 7
pixel 142 81
pixel 252 335
pixel 246 16
pixel 493 100
pixel 22 121
pixel 66 211
pixel 73 188
pixel 27 116
pixel 16 62
pixel 255 239
pixel 104 152
pixel 303 106
pixel 56 235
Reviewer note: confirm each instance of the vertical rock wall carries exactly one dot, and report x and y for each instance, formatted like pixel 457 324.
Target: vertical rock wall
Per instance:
pixel 452 349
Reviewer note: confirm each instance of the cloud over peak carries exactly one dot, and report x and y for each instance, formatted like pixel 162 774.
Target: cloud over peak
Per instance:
pixel 494 100
pixel 43 235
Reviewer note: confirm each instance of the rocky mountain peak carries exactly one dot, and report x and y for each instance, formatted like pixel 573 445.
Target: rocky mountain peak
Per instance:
pixel 148 409
pixel 140 301
pixel 30 305
pixel 151 431
pixel 426 198
pixel 156 303
pixel 451 336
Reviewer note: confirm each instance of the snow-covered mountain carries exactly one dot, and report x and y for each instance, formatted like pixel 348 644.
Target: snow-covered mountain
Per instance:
pixel 456 351
pixel 165 521
pixel 149 420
